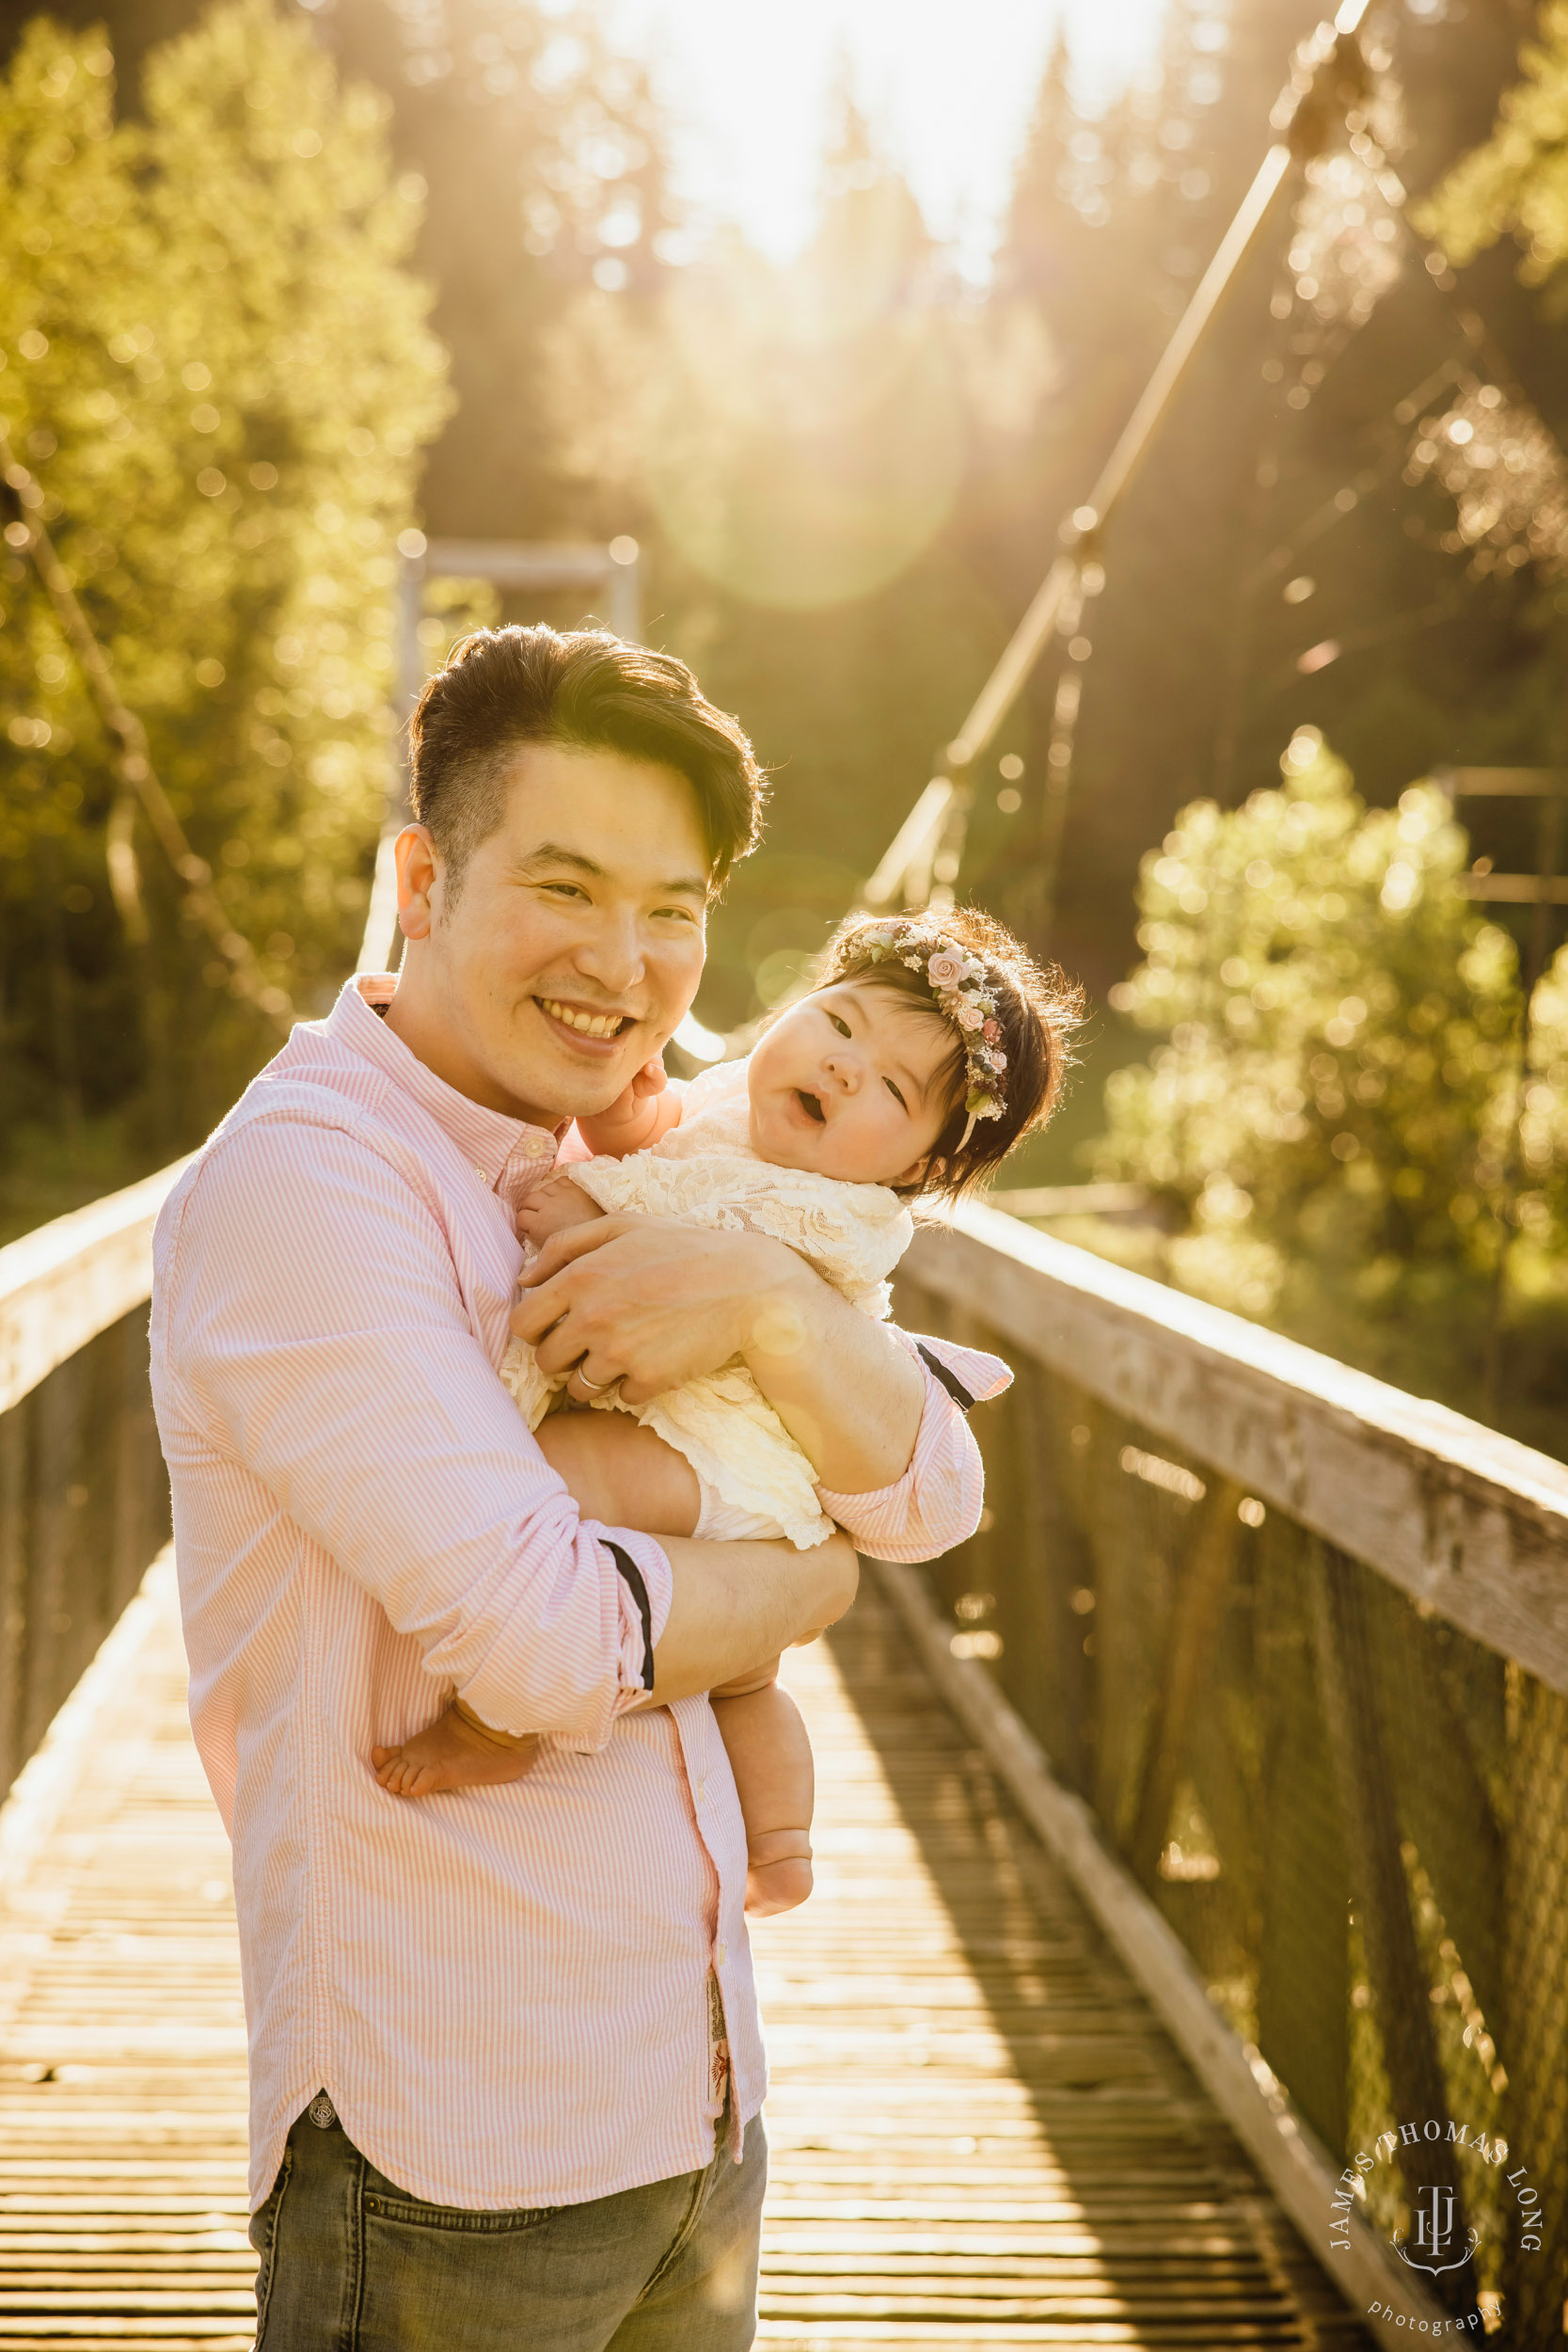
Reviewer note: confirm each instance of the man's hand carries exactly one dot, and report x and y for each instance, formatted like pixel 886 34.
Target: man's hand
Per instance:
pixel 653 1303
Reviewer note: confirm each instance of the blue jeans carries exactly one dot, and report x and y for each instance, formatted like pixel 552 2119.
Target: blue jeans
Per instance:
pixel 351 2263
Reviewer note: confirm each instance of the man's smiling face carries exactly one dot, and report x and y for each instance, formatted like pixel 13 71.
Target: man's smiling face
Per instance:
pixel 573 943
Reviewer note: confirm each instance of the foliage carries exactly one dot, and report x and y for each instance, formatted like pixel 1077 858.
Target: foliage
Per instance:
pixel 217 369
pixel 617 372
pixel 1517 184
pixel 1334 1107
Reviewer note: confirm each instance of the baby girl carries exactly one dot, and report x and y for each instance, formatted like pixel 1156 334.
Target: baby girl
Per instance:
pixel 926 1049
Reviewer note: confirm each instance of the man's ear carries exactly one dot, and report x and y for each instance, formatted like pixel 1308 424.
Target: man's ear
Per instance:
pixel 419 869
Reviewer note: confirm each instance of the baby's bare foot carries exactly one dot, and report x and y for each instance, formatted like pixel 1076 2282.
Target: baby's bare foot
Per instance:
pixel 778 1871
pixel 451 1752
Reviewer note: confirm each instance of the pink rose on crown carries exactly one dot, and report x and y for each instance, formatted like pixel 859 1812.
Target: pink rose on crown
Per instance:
pixel 991 1031
pixel 969 1016
pixel 944 970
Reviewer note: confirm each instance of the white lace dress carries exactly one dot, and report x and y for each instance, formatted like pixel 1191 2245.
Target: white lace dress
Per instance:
pixel 705 1173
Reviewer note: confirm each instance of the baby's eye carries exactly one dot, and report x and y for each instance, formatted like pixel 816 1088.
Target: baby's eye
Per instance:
pixel 896 1096
pixel 842 1026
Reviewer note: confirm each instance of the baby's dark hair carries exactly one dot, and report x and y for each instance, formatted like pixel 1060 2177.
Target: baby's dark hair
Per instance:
pixel 1036 1011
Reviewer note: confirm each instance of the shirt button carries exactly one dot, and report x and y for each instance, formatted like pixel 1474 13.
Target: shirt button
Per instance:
pixel 479 1173
pixel 724 1954
pixel 702 1790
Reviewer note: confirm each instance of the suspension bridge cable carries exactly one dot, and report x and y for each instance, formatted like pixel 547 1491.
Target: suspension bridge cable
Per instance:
pixel 1330 77
pixel 135 770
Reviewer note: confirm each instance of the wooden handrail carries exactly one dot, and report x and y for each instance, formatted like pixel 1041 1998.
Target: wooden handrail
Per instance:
pixel 69 1280
pixel 1472 1524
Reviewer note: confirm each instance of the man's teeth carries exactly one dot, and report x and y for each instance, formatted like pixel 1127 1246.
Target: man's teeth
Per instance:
pixel 590 1024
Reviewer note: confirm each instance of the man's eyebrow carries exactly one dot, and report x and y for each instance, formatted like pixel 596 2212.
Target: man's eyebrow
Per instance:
pixel 556 853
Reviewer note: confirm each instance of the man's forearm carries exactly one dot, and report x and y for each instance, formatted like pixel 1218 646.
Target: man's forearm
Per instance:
pixel 736 1605
pixel 842 1387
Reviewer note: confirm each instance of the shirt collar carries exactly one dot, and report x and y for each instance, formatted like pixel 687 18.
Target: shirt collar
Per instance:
pixel 496 1147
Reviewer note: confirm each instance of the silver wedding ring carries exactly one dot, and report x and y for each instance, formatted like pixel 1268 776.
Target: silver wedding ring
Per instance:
pixel 595 1388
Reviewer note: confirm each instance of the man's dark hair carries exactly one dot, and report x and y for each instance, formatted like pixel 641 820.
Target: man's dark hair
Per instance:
pixel 505 687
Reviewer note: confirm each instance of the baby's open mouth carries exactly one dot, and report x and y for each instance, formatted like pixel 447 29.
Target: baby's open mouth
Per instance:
pixel 587 1024
pixel 811 1105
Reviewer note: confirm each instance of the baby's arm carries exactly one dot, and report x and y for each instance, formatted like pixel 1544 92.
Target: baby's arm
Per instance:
pixel 552 1206
pixel 636 1119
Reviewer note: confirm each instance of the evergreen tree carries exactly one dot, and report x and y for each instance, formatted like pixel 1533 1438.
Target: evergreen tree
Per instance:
pixel 542 152
pixel 543 159
pixel 218 371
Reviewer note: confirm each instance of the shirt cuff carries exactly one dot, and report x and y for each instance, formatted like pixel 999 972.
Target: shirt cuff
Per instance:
pixel 937 1502
pixel 644 1589
pixel 647 1588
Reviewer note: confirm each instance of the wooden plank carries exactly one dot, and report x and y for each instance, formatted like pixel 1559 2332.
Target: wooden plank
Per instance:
pixel 69 1280
pixel 122 2060
pixel 981 2137
pixel 1296 2166
pixel 1471 1524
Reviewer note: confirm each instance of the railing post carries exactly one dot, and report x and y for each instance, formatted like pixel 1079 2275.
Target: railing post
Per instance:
pixel 1194 1617
pixel 1535 1965
pixel 1401 2003
pixel 13 1587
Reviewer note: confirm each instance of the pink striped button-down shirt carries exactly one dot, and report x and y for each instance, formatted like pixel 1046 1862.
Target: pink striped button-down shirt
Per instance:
pixel 504 1991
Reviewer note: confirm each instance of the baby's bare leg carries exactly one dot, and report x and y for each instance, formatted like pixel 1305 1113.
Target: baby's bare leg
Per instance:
pixel 770 1758
pixel 620 1473
pixel 457 1750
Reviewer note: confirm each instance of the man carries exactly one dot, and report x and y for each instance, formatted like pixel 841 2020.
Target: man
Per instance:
pixel 505 2061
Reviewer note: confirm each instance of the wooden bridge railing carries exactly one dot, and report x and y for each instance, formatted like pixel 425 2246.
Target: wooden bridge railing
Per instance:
pixel 1275 1656
pixel 83 1500
pixel 1295 1646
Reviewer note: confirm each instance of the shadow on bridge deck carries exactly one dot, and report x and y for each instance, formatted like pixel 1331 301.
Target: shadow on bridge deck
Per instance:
pixel 981 2137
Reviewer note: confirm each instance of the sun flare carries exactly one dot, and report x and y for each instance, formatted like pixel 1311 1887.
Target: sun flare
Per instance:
pixel 751 93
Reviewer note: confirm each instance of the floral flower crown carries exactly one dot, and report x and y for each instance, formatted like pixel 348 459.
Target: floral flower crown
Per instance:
pixel 965 992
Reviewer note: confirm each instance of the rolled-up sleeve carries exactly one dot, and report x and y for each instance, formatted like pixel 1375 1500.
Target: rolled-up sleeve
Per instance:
pixel 319 1332
pixel 937 1502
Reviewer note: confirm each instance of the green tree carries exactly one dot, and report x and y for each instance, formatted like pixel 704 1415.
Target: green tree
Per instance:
pixel 218 371
pixel 1331 1109
pixel 1517 184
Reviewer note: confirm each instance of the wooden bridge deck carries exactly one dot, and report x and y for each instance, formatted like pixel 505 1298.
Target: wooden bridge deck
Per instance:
pixel 980 2135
